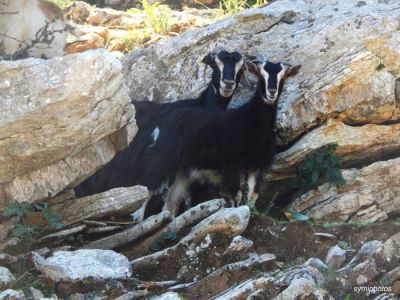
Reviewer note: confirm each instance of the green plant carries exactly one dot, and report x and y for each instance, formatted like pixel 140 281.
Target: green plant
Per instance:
pixel 323 165
pixel 24 229
pixel 135 38
pixel 157 17
pixel 291 263
pixel 345 245
pixel 168 236
pixel 231 7
pixel 386 281
pixel 271 203
pixel 329 274
pixel 261 2
pixel 19 209
pixel 52 218
pixel 76 240
pixel 63 3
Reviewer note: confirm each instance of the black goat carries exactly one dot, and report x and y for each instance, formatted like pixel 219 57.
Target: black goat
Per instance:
pixel 220 146
pixel 126 168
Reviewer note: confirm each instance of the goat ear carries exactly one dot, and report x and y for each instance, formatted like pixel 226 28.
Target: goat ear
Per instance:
pixel 251 66
pixel 208 59
pixel 292 71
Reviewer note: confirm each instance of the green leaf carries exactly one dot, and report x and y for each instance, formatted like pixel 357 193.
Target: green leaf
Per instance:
pixel 296 216
pixel 19 209
pixel 314 177
pixel 155 246
pixel 168 236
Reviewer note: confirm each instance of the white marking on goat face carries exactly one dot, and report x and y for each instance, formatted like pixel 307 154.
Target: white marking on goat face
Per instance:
pixel 222 89
pixel 272 82
pixel 225 90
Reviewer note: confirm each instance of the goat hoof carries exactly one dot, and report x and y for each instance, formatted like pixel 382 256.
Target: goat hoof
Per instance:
pixel 137 216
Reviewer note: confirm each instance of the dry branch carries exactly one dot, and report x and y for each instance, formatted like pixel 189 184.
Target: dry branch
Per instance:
pixel 158 284
pixel 244 289
pixel 225 277
pixel 116 202
pixel 63 233
pixel 230 221
pixel 188 218
pixel 131 234
pixel 96 230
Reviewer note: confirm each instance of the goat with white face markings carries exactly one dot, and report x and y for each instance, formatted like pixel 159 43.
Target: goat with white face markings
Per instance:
pixel 126 168
pixel 226 145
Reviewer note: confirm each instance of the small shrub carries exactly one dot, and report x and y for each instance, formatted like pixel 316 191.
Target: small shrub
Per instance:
pixel 63 3
pixel 157 17
pixel 135 38
pixel 52 218
pixel 76 240
pixel 19 209
pixel 231 7
pixel 329 274
pixel 261 2
pixel 323 165
pixel 24 229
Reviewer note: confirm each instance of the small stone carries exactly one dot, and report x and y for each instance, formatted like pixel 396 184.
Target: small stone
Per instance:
pixel 133 295
pixel 6 277
pixel 302 288
pixel 84 264
pixel 316 263
pixel 396 288
pixel 369 248
pixel 239 244
pixel 392 275
pixel 361 274
pixel 391 248
pixel 168 296
pixel 12 295
pixel 36 294
pixel 336 257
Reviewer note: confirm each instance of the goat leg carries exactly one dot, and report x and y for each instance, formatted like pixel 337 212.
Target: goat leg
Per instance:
pixel 177 192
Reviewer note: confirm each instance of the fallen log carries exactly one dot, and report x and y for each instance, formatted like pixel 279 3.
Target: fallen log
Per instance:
pixel 116 202
pixel 188 218
pixel 129 235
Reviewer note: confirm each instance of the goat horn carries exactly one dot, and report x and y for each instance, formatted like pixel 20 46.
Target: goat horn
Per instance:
pixel 246 82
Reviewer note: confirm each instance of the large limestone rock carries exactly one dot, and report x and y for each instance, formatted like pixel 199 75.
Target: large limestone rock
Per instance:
pixel 356 144
pixel 6 277
pixel 60 119
pixel 349 52
pixel 117 201
pixel 370 194
pixel 78 265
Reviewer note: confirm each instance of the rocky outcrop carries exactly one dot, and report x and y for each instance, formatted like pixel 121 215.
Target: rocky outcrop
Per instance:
pixel 370 194
pixel 355 144
pixel 347 93
pixel 121 31
pixel 351 81
pixel 66 121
